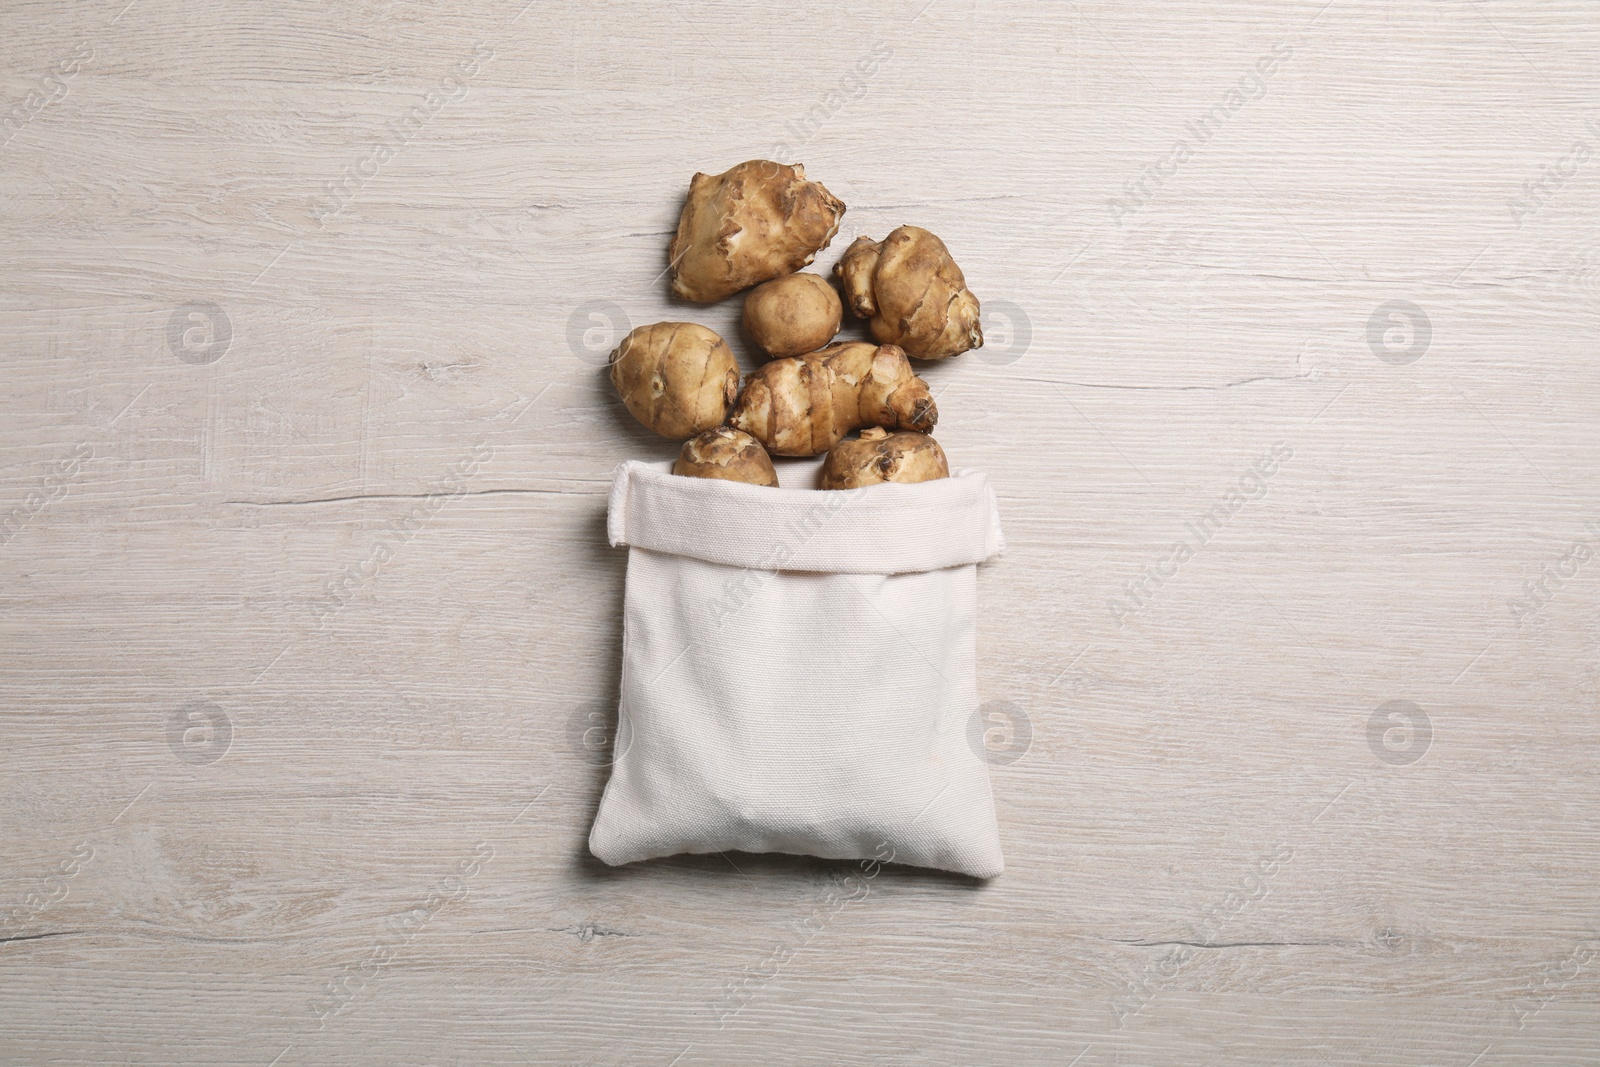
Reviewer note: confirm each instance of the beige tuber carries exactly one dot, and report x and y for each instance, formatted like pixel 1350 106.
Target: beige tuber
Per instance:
pixel 879 456
pixel 792 315
pixel 913 292
pixel 678 378
pixel 725 453
pixel 802 406
pixel 756 221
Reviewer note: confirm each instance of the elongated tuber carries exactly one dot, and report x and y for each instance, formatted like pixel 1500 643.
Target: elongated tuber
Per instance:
pixel 678 378
pixel 753 222
pixel 792 315
pixel 726 453
pixel 913 293
pixel 803 405
pixel 879 456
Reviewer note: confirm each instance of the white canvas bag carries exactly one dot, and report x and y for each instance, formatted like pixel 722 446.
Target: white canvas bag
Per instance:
pixel 798 671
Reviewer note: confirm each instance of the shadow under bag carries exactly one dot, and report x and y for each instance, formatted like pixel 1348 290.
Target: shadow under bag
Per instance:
pixel 799 671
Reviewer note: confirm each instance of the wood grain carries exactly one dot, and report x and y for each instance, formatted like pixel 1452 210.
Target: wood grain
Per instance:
pixel 304 615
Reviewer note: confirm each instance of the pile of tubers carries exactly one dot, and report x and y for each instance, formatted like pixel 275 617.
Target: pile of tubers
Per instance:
pixel 753 227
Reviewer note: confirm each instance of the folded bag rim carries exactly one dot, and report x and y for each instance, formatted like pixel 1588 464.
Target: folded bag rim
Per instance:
pixel 889 528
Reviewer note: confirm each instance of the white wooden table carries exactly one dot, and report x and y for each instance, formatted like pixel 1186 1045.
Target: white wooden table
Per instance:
pixel 307 602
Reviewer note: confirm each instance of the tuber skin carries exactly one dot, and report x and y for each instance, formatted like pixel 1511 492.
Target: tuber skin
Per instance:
pixel 792 315
pixel 803 405
pixel 726 453
pixel 753 222
pixel 678 378
pixel 879 456
pixel 913 293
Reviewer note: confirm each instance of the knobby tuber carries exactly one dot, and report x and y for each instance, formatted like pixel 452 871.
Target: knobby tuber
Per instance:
pixel 756 221
pixel 913 293
pixel 803 405
pixel 792 315
pixel 678 378
pixel 879 456
pixel 725 453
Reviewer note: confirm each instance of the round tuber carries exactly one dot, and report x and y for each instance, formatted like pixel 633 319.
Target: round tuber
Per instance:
pixel 756 221
pixel 792 315
pixel 726 453
pixel 803 405
pixel 913 293
pixel 678 378
pixel 879 456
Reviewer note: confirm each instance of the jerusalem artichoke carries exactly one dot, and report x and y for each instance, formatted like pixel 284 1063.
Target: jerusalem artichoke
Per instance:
pixel 803 405
pixel 678 378
pixel 879 456
pixel 791 315
pixel 913 292
pixel 756 221
pixel 725 453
